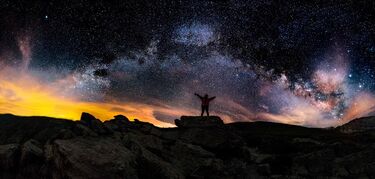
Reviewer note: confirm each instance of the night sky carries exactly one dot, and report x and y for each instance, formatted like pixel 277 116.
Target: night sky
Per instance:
pixel 305 63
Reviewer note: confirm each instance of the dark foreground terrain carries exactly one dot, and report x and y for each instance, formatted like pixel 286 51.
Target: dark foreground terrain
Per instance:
pixel 40 147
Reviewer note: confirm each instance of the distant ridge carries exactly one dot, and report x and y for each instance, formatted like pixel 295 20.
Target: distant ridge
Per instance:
pixel 358 125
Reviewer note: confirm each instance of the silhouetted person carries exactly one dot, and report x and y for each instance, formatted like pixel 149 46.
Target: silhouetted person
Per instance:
pixel 205 103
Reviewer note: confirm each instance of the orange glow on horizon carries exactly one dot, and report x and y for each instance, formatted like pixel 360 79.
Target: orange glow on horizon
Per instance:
pixel 24 95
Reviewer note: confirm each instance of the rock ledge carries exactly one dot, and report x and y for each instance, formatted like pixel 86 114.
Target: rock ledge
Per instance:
pixel 198 121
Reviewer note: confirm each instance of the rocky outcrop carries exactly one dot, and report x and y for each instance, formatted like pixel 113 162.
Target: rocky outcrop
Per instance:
pixel 9 156
pixel 200 147
pixel 95 124
pixel 102 157
pixel 199 121
pixel 121 118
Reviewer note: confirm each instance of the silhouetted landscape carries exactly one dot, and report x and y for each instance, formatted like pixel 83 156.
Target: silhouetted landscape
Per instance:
pixel 200 147
pixel 282 89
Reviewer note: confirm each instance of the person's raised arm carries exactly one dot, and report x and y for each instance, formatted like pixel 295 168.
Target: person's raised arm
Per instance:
pixel 212 98
pixel 199 96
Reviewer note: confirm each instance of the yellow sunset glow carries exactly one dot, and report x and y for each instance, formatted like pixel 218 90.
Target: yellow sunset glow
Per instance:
pixel 27 97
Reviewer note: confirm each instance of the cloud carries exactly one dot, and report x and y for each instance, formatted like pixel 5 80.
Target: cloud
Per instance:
pixel 165 117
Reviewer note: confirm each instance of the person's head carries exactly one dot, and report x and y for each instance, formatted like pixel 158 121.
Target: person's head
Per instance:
pixel 206 95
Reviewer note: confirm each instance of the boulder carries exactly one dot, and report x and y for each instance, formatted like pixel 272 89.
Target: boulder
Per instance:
pixel 150 161
pixel 94 124
pixel 199 121
pixel 121 118
pixel 119 123
pixel 87 118
pixel 31 149
pixel 85 157
pixel 32 159
pixel 8 156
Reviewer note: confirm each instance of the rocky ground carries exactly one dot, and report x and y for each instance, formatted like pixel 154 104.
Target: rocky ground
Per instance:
pixel 40 147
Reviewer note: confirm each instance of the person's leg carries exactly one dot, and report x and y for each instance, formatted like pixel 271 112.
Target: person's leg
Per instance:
pixel 202 110
pixel 208 114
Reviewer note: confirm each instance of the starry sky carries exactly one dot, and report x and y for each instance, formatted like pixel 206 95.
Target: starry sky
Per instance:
pixel 304 63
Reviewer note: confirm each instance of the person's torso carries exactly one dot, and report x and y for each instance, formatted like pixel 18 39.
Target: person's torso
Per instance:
pixel 205 101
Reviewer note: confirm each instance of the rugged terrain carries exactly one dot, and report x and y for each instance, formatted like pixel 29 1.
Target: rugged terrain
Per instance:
pixel 200 147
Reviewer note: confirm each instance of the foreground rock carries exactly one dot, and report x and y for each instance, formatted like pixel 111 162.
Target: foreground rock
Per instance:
pixel 199 121
pixel 201 147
